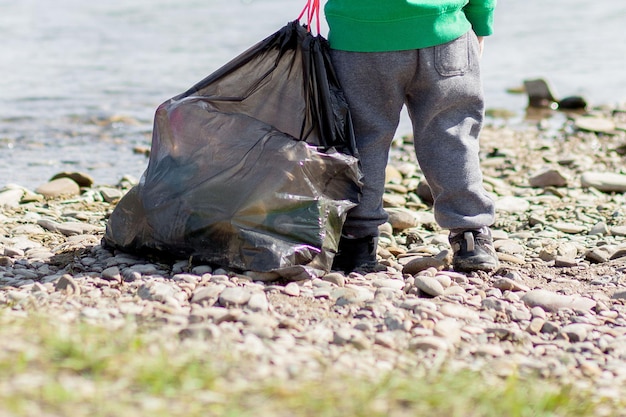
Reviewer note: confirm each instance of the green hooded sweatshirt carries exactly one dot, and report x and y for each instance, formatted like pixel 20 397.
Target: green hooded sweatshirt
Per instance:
pixel 395 25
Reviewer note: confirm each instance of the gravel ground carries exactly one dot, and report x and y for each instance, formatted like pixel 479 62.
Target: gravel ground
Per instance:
pixel 554 308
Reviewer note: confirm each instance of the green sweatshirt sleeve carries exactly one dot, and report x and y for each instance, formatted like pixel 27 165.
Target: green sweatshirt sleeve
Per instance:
pixel 480 13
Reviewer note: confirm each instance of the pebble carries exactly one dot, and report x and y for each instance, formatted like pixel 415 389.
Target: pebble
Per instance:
pixel 429 285
pixel 604 181
pixel 234 296
pixel 61 187
pixel 551 301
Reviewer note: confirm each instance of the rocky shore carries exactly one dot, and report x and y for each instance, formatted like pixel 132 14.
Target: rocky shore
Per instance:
pixel 555 308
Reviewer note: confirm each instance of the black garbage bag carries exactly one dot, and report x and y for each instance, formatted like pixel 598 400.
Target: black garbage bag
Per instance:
pixel 253 168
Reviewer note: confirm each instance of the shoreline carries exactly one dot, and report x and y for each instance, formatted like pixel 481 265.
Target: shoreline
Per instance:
pixel 556 307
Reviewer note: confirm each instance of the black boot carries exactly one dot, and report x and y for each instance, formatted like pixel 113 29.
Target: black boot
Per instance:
pixel 357 254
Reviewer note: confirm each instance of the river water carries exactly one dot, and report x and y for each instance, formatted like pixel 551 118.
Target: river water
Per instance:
pixel 80 80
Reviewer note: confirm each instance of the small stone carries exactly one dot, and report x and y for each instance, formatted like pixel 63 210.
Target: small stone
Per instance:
pixel 449 329
pixel 292 289
pixel 385 340
pixel 207 295
pixel 458 311
pixel 570 228
pixel 112 274
pixel 599 228
pixel 401 219
pixel 595 124
pixel 11 197
pixel 510 204
pixel 80 178
pixel 258 302
pixel 336 278
pixel 490 350
pixel 157 291
pixel 68 284
pixel 234 296
pixel 564 262
pixel 548 178
pixel 429 285
pixel 396 284
pixel 550 327
pixel 111 195
pixel 346 296
pixel 604 181
pixel 507 284
pixel 600 254
pixel 444 280
pixel 429 343
pixel 419 264
pixel 59 188
pixel 535 325
pixel 551 301
pixel 575 332
pixel 619 295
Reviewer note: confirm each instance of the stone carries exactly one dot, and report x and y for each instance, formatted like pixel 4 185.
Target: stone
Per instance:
pixel 548 178
pixel 595 124
pixel 207 295
pixel 575 332
pixel 396 284
pixel 444 280
pixel 510 204
pixel 509 246
pixel 156 291
pixel 258 302
pixel 401 219
pixel 600 228
pixel 419 264
pixel 292 289
pixel 67 283
pixel 619 295
pixel 111 195
pixel 489 350
pixel 112 274
pixel 551 301
pixel 234 296
pixel 59 188
pixel 11 197
pixel 429 285
pixel 508 284
pixel 604 181
pixel 600 254
pixel 335 278
pixel 429 343
pixel 571 228
pixel 345 296
pixel 80 178
pixel 449 329
pixel 564 262
pixel 392 174
pixel 535 325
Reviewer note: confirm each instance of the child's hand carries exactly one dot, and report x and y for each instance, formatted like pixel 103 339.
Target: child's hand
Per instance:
pixel 481 44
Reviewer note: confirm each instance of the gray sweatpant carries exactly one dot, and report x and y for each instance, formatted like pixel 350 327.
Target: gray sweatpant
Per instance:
pixel 442 90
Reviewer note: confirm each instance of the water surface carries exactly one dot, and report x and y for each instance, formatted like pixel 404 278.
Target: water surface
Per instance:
pixel 79 80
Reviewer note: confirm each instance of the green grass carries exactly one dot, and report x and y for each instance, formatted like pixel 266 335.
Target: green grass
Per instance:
pixel 53 369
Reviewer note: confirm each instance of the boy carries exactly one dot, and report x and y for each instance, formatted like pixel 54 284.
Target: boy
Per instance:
pixel 423 54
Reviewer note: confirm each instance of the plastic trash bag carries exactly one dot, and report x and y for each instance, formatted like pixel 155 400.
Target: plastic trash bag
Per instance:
pixel 253 168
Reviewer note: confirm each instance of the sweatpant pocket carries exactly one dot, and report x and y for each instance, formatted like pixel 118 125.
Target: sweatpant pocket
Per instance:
pixel 453 58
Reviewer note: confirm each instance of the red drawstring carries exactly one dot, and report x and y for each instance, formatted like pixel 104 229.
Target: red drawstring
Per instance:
pixel 312 9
